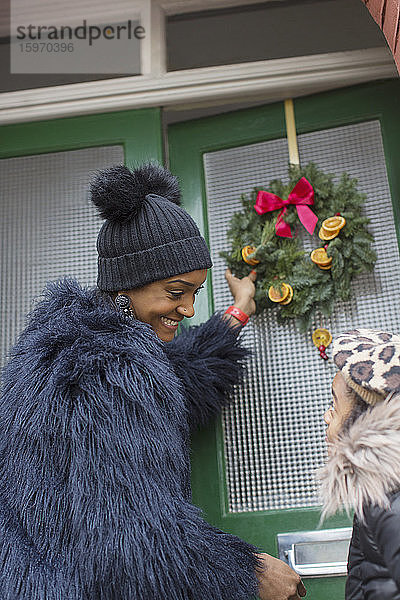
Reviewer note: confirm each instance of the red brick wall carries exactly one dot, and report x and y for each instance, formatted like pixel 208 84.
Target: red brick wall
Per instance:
pixel 387 14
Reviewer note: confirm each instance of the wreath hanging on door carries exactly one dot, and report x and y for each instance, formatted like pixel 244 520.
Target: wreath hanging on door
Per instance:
pixel 264 235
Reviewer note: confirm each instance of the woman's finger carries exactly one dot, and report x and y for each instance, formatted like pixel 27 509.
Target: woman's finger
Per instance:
pixel 253 275
pixel 301 590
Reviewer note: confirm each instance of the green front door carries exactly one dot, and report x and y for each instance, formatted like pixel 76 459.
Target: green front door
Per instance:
pixel 253 468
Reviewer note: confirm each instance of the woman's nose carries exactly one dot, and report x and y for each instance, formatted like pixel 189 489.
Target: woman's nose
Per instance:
pixel 328 416
pixel 187 310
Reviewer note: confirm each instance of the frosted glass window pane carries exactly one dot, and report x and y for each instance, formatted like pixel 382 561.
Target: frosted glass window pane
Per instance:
pixel 48 227
pixel 274 432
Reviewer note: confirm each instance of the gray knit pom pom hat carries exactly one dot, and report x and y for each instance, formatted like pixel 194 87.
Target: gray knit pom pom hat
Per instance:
pixel 146 236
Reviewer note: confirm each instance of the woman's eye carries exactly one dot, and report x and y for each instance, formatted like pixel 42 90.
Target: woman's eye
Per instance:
pixel 176 294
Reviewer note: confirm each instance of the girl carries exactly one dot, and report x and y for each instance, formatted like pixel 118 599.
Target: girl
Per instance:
pixel 98 400
pixel 362 471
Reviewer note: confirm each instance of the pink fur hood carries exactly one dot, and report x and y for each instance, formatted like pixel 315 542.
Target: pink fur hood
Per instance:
pixel 363 466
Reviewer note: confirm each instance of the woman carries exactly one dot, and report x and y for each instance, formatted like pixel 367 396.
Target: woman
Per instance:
pixel 362 471
pixel 95 416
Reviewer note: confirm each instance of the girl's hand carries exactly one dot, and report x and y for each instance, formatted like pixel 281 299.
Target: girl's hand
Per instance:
pixel 243 291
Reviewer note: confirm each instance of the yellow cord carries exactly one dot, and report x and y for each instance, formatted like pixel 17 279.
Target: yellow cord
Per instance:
pixel 291 133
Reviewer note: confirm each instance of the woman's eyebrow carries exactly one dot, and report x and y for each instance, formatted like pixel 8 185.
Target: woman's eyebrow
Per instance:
pixel 182 281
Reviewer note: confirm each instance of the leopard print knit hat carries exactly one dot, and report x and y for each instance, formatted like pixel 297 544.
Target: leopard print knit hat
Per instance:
pixel 370 362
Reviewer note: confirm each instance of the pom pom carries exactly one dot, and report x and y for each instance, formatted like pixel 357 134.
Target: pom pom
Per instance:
pixel 118 193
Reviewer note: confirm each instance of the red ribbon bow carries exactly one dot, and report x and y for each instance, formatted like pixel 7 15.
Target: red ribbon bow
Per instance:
pixel 301 195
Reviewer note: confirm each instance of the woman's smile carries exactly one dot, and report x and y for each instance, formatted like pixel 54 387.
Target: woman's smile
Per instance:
pixel 170 323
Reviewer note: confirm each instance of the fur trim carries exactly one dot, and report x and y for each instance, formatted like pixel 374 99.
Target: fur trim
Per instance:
pixel 362 466
pixel 208 357
pixel 94 466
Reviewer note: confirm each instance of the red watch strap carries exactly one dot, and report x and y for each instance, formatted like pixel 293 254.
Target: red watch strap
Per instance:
pixel 234 311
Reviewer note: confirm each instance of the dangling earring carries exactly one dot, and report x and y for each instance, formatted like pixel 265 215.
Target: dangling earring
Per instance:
pixel 123 303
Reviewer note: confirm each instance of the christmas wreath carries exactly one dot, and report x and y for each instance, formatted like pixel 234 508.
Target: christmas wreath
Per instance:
pixel 289 279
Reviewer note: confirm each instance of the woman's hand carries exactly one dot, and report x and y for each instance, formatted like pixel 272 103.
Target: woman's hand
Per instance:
pixel 243 291
pixel 277 581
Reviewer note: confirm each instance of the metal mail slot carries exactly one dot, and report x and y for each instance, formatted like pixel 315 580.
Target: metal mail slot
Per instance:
pixel 321 553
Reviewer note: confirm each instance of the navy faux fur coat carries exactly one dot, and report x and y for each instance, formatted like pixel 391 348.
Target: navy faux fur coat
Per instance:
pixel 94 470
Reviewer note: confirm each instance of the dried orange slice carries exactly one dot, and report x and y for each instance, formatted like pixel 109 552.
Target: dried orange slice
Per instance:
pixel 326 236
pixel 321 337
pixel 325 267
pixel 320 257
pixel 290 295
pixel 279 296
pixel 331 227
pixel 334 223
pixel 246 251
